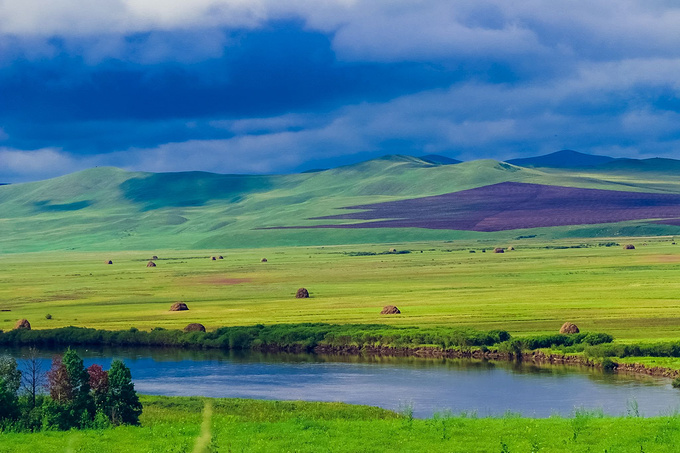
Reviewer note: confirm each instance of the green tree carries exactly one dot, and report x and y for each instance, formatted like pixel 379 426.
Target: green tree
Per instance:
pixel 124 403
pixel 10 380
pixel 80 383
pixel 10 373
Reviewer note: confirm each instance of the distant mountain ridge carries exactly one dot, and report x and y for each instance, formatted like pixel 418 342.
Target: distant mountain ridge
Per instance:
pixel 442 160
pixel 563 159
pixel 107 208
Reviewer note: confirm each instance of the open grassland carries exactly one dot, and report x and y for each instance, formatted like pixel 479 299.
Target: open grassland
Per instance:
pixel 630 294
pixel 181 424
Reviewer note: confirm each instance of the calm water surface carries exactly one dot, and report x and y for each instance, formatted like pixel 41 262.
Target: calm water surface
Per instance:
pixel 426 385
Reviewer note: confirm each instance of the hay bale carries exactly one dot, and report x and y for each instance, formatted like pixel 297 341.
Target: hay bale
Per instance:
pixel 220 257
pixel 511 248
pixel 393 250
pixel 498 250
pixel 263 260
pixel 108 262
pixel 179 306
pixel 629 247
pixel 214 258
pixel 302 293
pixel 194 327
pixel 390 310
pixel 150 264
pixel 22 324
pixel 154 257
pixel 568 328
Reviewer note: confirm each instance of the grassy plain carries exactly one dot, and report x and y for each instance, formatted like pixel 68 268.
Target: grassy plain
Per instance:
pixel 631 294
pixel 182 424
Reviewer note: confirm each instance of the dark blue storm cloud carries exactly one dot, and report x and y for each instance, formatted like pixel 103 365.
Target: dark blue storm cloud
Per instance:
pixel 236 86
pixel 66 102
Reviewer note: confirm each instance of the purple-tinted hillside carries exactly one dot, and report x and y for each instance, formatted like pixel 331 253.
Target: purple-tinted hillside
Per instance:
pixel 511 205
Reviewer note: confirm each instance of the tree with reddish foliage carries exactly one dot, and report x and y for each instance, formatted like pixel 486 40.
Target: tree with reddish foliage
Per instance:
pixel 99 386
pixel 58 382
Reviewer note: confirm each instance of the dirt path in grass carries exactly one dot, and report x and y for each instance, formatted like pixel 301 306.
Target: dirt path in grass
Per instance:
pixel 203 439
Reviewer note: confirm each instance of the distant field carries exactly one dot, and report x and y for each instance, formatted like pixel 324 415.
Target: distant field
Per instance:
pixel 631 294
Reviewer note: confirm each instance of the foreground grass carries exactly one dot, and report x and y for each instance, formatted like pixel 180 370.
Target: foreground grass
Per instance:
pixel 182 424
pixel 631 294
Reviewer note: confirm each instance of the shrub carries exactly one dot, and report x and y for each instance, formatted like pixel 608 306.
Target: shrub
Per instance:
pixel 608 364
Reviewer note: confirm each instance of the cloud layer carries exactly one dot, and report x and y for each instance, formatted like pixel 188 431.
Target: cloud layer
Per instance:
pixel 270 86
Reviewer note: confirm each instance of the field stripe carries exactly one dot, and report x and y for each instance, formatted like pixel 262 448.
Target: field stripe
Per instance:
pixel 203 439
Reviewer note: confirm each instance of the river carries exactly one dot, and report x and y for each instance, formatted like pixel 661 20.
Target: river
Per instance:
pixel 426 386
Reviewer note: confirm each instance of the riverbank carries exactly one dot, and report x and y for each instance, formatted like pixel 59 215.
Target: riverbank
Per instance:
pixel 582 349
pixel 184 424
pixel 536 357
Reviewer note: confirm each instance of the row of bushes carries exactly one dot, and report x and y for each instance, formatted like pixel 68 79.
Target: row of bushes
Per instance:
pixel 566 343
pixel 551 341
pixel 670 349
pixel 304 336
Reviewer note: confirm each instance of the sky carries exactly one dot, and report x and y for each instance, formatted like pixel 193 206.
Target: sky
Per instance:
pixel 271 86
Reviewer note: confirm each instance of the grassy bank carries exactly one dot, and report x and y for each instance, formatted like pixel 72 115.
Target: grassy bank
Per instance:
pixel 180 424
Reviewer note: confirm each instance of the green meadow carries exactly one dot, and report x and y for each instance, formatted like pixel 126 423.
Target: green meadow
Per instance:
pixel 630 294
pixel 183 424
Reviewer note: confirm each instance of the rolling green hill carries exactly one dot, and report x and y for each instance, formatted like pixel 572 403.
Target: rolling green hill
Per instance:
pixel 111 209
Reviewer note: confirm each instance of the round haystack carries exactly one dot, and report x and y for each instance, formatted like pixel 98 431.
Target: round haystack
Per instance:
pixel 154 257
pixel 220 257
pixel 569 327
pixel 390 310
pixel 22 324
pixel 629 247
pixel 498 250
pixel 150 264
pixel 195 327
pixel 511 248
pixel 214 258
pixel 263 260
pixel 393 250
pixel 302 293
pixel 108 262
pixel 179 306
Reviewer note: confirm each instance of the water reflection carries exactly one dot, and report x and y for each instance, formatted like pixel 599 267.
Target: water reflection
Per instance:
pixel 429 385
